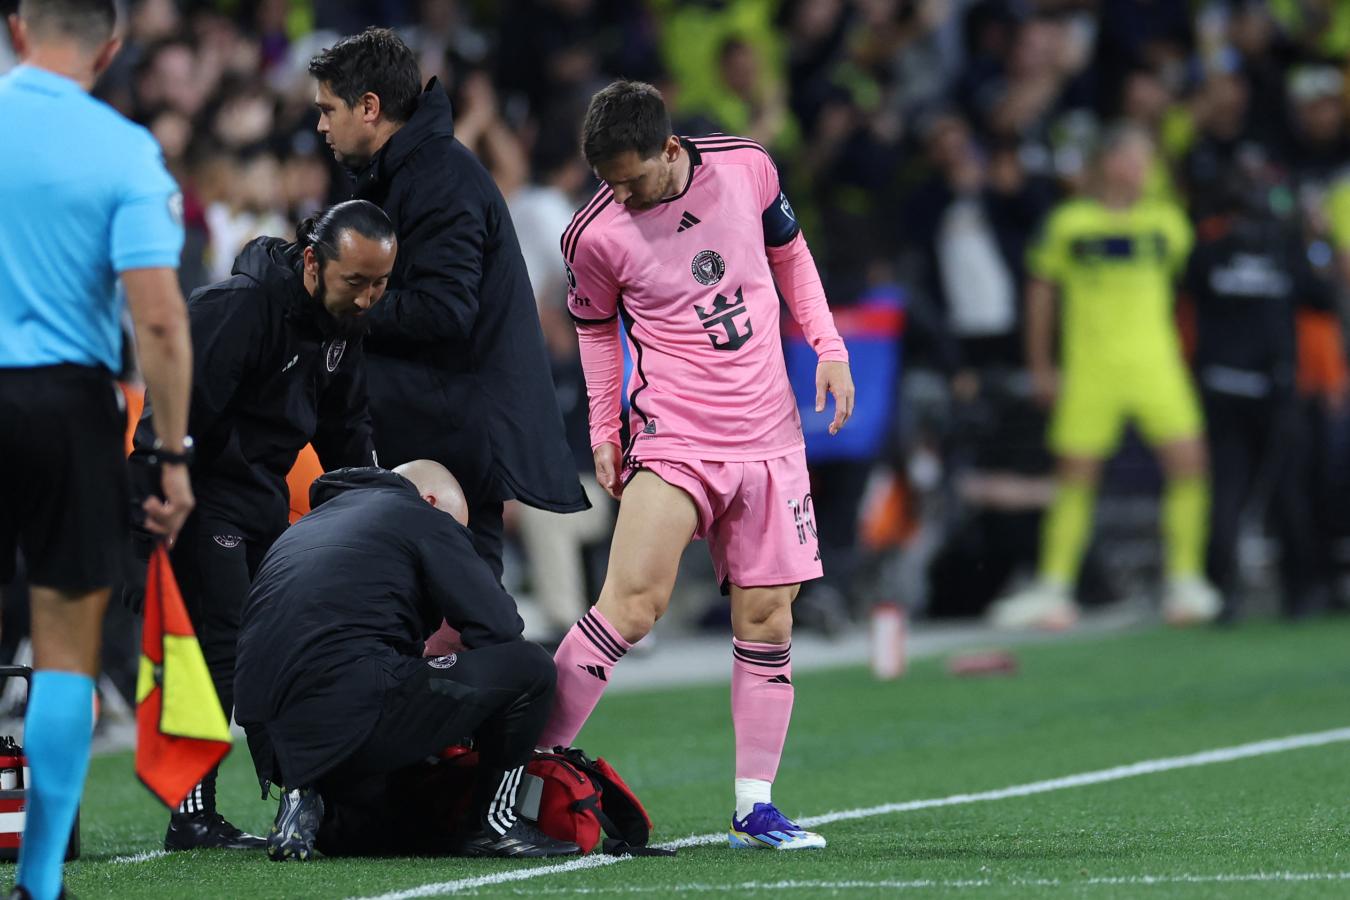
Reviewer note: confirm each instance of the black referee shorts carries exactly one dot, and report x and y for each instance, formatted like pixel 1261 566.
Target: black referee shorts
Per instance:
pixel 63 476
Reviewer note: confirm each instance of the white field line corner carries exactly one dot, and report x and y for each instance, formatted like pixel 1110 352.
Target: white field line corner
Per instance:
pixel 1083 779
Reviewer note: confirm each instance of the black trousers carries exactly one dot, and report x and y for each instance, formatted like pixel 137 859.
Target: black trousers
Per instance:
pixel 499 696
pixel 1257 444
pixel 485 524
pixel 215 565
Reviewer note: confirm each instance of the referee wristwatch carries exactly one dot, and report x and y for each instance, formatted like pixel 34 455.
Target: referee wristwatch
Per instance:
pixel 162 457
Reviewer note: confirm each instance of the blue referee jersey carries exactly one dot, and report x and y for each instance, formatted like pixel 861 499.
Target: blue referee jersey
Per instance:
pixel 84 196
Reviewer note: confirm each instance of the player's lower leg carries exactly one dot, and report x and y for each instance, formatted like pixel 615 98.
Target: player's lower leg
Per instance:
pixel 58 729
pixel 761 710
pixel 1188 598
pixel 57 733
pixel 656 521
pixel 1048 602
pixel 585 659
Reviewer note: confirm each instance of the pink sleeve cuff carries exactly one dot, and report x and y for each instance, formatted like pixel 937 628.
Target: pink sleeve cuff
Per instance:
pixel 602 363
pixel 794 270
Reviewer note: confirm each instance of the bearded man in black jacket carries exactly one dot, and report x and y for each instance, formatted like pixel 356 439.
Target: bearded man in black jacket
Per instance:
pixel 457 365
pixel 333 689
pixel 277 364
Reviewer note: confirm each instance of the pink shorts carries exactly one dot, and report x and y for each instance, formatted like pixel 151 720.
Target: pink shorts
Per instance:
pixel 757 517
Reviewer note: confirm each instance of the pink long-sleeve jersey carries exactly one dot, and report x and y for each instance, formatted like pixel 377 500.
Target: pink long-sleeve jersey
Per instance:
pixel 692 283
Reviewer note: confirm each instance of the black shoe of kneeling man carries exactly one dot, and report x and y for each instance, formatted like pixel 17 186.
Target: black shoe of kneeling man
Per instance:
pixel 296 826
pixel 207 831
pixel 523 839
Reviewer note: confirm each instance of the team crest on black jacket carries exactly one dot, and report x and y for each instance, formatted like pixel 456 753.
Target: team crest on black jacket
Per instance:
pixel 335 354
pixel 273 373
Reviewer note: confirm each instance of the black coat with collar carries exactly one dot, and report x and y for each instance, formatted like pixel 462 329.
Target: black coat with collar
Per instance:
pixel 269 375
pixel 457 365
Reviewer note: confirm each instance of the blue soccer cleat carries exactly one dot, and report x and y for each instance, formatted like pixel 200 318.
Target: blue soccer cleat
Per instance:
pixel 768 829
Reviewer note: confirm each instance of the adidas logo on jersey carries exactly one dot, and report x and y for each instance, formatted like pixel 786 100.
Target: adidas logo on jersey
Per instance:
pixel 687 221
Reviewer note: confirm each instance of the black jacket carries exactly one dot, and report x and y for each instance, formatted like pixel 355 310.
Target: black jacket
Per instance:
pixel 1249 277
pixel 339 611
pixel 268 376
pixel 458 370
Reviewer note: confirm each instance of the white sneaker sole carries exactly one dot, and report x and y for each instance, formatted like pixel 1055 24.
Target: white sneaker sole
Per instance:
pixel 806 840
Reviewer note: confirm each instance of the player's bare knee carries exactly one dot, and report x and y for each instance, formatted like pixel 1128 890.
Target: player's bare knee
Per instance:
pixel 764 616
pixel 1185 459
pixel 634 612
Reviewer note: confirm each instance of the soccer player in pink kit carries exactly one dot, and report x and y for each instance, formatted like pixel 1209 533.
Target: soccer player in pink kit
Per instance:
pixel 685 243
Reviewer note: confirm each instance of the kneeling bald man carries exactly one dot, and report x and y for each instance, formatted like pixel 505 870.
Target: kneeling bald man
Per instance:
pixel 331 685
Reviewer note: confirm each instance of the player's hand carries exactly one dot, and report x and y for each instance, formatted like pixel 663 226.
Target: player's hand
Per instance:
pixel 607 459
pixel 1044 386
pixel 835 378
pixel 166 517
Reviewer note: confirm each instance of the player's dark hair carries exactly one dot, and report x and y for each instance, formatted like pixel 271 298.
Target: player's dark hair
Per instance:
pixel 323 230
pixel 375 61
pixel 627 115
pixel 91 22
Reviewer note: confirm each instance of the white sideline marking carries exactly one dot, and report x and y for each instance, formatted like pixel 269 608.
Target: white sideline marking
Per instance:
pixel 141 857
pixel 923 884
pixel 1117 773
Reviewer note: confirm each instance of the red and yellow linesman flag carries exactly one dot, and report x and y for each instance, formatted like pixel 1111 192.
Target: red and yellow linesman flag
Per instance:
pixel 181 732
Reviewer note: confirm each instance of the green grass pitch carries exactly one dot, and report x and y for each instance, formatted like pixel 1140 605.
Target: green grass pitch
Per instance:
pixel 1272 825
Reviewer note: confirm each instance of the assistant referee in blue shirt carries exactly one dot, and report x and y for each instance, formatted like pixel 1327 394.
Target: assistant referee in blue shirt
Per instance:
pixel 85 200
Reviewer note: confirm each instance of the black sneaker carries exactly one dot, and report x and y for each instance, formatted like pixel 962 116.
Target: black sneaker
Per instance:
pixel 297 825
pixel 523 839
pixel 207 831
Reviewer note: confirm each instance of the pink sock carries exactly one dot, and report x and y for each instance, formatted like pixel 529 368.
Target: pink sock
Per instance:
pixel 584 660
pixel 761 706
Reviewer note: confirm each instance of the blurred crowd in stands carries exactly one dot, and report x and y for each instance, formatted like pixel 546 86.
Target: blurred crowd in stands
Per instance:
pixel 922 142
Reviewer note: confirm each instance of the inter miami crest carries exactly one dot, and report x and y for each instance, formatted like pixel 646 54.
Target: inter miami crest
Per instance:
pixel 708 267
pixel 335 351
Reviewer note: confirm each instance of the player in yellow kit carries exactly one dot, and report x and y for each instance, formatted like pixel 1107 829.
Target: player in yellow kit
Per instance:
pixel 1110 259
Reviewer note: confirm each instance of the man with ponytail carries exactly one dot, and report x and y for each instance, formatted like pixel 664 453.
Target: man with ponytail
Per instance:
pixel 277 364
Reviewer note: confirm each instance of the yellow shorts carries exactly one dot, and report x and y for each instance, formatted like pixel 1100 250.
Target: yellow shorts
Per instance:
pixel 1094 407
